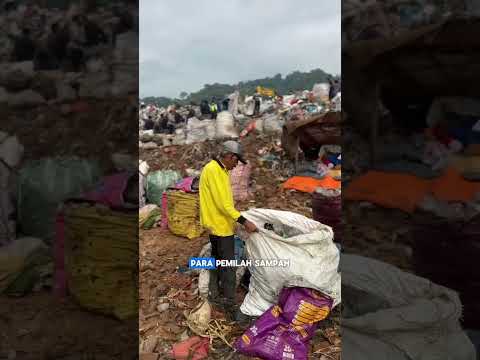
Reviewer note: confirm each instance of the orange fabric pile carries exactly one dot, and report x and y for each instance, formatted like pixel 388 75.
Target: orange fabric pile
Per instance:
pixel 405 192
pixel 309 184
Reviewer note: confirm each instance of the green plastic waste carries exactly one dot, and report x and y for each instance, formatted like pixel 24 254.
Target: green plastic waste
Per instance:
pixel 152 219
pixel 158 182
pixel 24 263
pixel 44 184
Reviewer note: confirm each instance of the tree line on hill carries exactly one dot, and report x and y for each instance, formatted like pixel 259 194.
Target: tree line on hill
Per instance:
pixel 295 81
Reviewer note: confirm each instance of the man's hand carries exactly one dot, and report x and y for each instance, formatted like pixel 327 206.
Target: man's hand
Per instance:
pixel 250 226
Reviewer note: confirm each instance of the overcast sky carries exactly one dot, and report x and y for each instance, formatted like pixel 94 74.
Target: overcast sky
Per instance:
pixel 185 44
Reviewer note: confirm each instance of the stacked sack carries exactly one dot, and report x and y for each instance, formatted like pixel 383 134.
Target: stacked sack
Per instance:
pixel 225 126
pixel 184 214
pixel 100 259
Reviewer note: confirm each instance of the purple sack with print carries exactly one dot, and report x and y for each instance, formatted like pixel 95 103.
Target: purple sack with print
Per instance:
pixel 284 331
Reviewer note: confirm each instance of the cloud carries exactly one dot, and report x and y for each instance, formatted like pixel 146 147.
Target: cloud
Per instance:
pixel 186 44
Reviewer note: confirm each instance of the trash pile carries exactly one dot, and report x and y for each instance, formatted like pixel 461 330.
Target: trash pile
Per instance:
pixel 68 78
pixel 412 196
pixel 51 246
pixel 440 163
pixel 175 144
pixel 51 56
pixel 368 20
pixel 46 208
pixel 190 124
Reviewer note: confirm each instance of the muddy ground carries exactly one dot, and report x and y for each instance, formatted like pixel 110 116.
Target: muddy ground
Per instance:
pixel 161 253
pixel 38 326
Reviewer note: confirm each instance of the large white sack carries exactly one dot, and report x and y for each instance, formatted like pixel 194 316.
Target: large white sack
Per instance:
pixel 26 98
pixel 249 108
pixel 11 151
pixel 321 91
pixel 143 170
pixel 25 67
pixel 313 256
pixel 196 131
pixel 125 79
pixel 95 85
pixel 210 129
pixel 126 47
pixel 225 126
pixel 146 135
pixel 273 124
pixel 337 102
pixel 267 106
pixel 391 314
pixel 64 91
pixel 179 137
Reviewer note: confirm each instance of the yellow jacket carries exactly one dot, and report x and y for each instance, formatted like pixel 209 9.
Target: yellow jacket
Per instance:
pixel 217 211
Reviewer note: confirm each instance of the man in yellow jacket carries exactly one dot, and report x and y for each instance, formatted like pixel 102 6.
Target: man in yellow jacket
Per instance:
pixel 218 215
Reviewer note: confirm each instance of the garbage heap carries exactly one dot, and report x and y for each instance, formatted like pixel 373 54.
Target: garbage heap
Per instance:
pixel 43 89
pixel 161 127
pixel 50 61
pixel 372 19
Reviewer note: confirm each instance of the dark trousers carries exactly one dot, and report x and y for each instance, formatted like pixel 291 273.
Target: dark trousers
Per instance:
pixel 223 279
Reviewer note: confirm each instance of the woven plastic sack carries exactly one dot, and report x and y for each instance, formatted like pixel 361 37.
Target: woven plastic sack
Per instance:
pixel 273 124
pixel 101 252
pixel 184 214
pixel 321 92
pixel 240 179
pixel 285 330
pixel 158 182
pixel 308 245
pixel 225 126
pixel 44 184
pixel 196 131
pixel 210 129
pixel 391 314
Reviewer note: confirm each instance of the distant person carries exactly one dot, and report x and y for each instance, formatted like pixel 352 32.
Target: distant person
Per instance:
pixel 213 110
pixel 23 47
pixel 9 6
pixel 57 42
pixel 334 88
pixel 204 107
pixel 225 104
pixel 179 119
pixel 44 60
pixel 191 113
pixel 76 46
pixel 149 124
pixel 94 35
pixel 256 110
pixel 219 106
pixel 164 126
